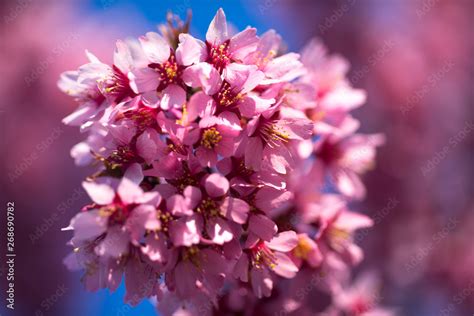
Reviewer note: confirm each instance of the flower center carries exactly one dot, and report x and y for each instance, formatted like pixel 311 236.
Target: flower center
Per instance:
pixel 210 138
pixel 165 218
pixel 328 152
pixel 116 85
pixel 262 256
pixel 219 55
pixel 226 97
pixel 122 155
pixel 273 134
pixel 143 118
pixel 169 72
pixel 208 208
pixel 303 248
pixel 191 254
pixel 338 238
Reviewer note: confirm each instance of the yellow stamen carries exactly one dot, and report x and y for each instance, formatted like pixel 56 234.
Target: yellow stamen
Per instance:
pixel 210 138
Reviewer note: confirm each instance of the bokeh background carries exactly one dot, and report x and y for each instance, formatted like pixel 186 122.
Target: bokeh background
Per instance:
pixel 414 58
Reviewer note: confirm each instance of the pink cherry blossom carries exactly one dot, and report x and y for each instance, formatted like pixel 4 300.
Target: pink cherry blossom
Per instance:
pixel 223 172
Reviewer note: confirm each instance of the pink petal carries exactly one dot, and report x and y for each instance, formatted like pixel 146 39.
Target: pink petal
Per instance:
pixel 186 231
pixel 88 225
pixel 207 158
pixel 134 173
pixel 144 80
pixel 241 268
pixel 350 221
pixel 243 43
pixel 200 105
pixel 252 105
pixel 262 226
pixel 128 191
pixel 115 243
pixel 262 284
pixel 217 31
pixel 235 209
pixel 155 47
pixel 173 97
pixel 284 241
pixel 271 200
pixel 218 230
pixel 155 248
pixel 100 193
pixel 147 147
pixel 254 153
pixel 216 185
pixel 349 183
pixel 190 50
pixel 203 75
pixel 142 218
pixel 122 57
pixel 186 275
pixel 285 267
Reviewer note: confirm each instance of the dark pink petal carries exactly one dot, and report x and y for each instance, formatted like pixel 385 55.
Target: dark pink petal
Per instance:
pixel 241 268
pixel 206 157
pixel 216 185
pixel 186 275
pixel 254 153
pixel 155 248
pixel 271 200
pixel 235 209
pixel 284 241
pixel 262 283
pixel 218 230
pixel 262 226
pixel 232 249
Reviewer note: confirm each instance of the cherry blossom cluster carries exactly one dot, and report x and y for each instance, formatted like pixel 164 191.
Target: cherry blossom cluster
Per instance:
pixel 224 169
